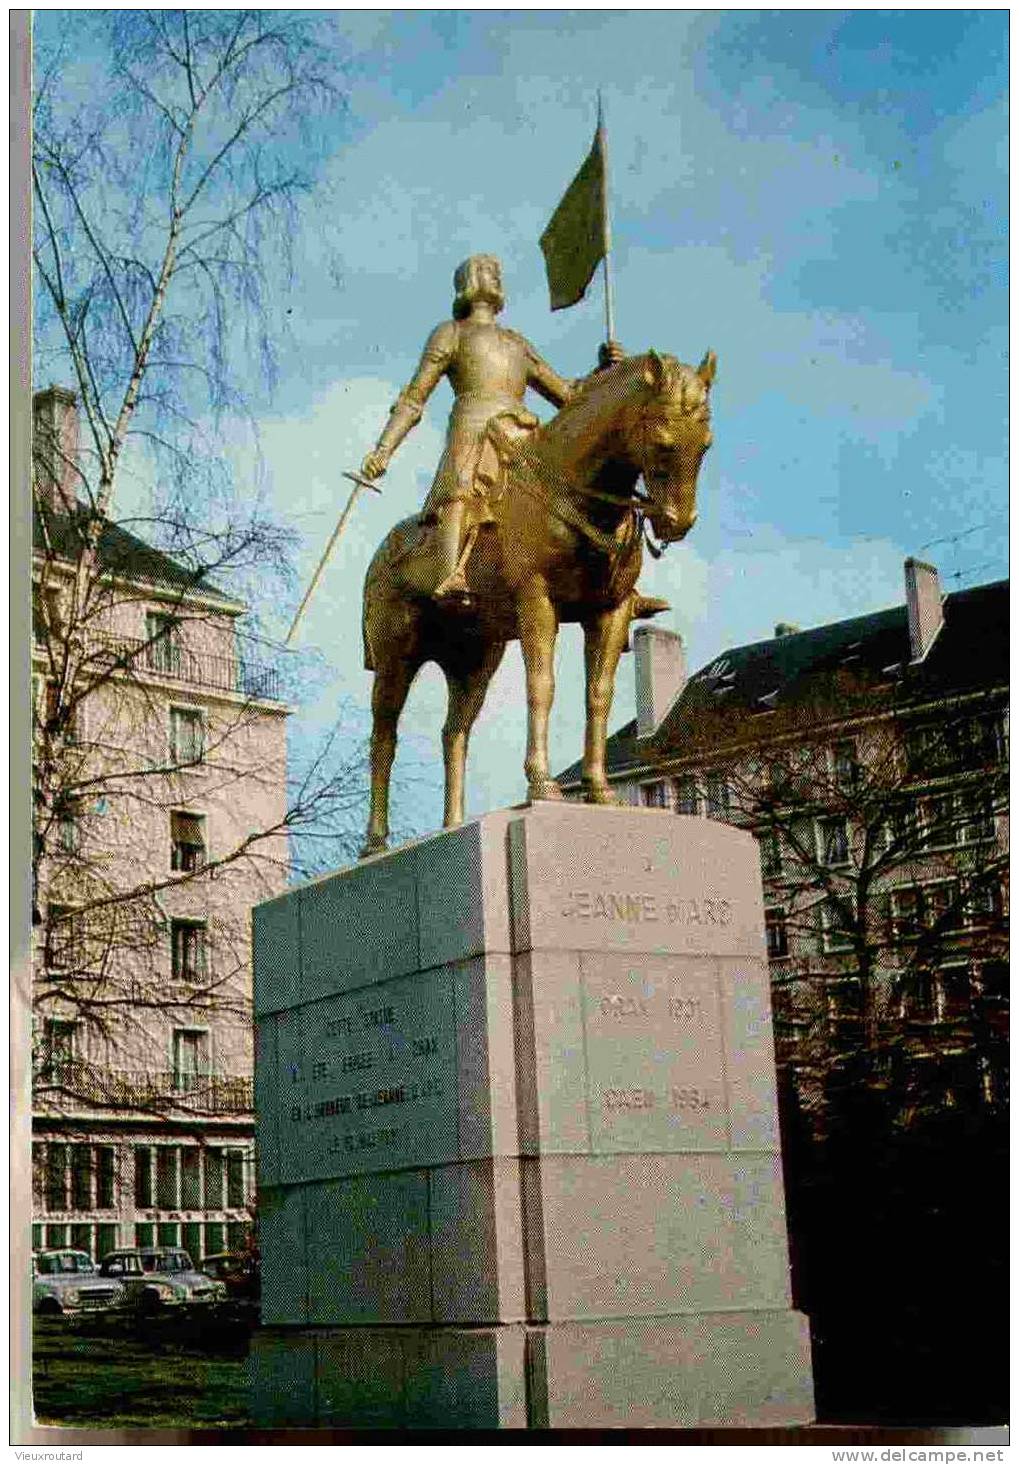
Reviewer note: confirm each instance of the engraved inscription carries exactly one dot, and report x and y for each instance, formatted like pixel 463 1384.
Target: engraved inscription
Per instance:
pixel 653 1050
pixel 636 907
pixel 371 1081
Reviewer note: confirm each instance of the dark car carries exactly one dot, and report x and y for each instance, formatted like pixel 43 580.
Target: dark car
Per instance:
pixel 159 1278
pixel 238 1271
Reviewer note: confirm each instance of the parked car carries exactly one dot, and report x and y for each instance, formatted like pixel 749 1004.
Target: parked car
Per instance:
pixel 238 1271
pixel 161 1277
pixel 66 1282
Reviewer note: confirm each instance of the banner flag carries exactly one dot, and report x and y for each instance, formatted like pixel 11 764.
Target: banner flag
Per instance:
pixel 574 240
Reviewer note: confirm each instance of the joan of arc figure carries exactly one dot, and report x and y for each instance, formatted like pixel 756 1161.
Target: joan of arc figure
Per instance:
pixel 489 369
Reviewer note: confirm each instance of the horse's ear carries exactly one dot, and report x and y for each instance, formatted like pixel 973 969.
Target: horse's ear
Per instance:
pixel 654 371
pixel 706 370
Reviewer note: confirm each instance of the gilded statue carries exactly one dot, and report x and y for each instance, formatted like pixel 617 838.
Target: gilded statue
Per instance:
pixel 527 526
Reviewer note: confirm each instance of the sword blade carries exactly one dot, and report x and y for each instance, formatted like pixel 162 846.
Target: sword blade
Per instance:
pixel 359 483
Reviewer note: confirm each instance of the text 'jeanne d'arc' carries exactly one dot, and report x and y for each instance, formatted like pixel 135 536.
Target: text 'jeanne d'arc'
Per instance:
pixel 635 907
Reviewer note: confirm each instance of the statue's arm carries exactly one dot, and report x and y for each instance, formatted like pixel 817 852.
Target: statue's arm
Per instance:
pixel 406 411
pixel 546 382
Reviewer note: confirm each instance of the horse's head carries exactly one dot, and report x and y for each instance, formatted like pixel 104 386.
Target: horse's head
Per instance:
pixel 669 432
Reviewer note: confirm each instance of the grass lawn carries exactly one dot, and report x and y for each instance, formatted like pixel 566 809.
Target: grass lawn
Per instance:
pixel 122 1373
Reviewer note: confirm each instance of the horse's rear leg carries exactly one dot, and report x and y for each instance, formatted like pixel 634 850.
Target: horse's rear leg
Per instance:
pixel 466 694
pixel 604 639
pixel 389 693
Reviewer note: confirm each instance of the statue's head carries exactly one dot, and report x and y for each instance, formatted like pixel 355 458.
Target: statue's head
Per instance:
pixel 479 277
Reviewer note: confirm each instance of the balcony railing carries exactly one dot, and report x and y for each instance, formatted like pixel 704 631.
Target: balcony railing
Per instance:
pixel 165 658
pixel 114 1088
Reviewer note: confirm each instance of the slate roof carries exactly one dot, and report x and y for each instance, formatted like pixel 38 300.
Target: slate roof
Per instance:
pixel 122 553
pixel 969 654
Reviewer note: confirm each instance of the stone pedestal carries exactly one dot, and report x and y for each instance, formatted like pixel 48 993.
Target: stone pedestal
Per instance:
pixel 518 1151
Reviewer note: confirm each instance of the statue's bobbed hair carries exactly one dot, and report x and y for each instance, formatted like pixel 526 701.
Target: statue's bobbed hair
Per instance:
pixel 465 284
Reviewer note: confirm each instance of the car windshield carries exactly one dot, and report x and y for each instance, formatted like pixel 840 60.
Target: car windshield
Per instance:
pixel 60 1263
pixel 122 1265
pixel 170 1261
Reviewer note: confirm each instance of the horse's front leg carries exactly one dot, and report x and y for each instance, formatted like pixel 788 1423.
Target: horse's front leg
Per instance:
pixel 537 626
pixel 466 695
pixel 604 640
pixel 389 693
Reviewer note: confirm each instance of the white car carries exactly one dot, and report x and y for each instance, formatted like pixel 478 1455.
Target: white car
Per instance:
pixel 66 1282
pixel 159 1277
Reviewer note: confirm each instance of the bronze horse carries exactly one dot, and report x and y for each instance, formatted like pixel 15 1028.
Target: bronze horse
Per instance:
pixel 561 542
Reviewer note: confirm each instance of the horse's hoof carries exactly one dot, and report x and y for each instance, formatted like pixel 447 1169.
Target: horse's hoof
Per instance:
pixel 547 791
pixel 599 793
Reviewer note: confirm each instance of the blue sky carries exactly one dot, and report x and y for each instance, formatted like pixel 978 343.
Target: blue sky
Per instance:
pixel 819 196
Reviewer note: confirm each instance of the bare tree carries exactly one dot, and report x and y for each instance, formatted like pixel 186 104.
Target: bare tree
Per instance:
pixel 885 880
pixel 164 200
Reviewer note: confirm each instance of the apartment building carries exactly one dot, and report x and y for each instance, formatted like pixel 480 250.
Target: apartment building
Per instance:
pixel 159 755
pixel 870 759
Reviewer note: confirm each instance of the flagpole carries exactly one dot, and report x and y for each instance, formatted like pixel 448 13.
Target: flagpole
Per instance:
pixel 610 325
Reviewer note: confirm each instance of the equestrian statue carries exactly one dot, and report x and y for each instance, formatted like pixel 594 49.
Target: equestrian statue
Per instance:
pixel 526 527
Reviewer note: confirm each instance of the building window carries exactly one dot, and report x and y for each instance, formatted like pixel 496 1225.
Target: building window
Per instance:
pixel 67 822
pixel 983 904
pixel 842 1000
pixel 776 933
pixel 81 1238
pixel 906 913
pixel 187 735
pixel 163 652
pixel 166 1178
pixel 716 796
pixel 59 1047
pixel 902 830
pixel 143 1233
pixel 770 842
pixel 56 1177
pixel 941 906
pixel 191 1180
pixel 213 1238
pixel 187 841
pixel 106 1239
pixel 62 944
pixel 237 1233
pixel 56 1237
pixel 234 1179
pixel 38 1175
pixel 142 1177
pixel 105 1178
pixel 188 951
pixel 168 1233
pixel 81 1178
pixel 845 769
pixel 836 932
pixel 976 817
pixel 192 1241
pixel 833 841
pixel 687 799
pixel 214 1183
pixel 940 827
pixel 190 1059
pixel 655 795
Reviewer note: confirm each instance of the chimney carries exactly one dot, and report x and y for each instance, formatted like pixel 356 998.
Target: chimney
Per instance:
pixel 923 605
pixel 659 663
pixel 55 448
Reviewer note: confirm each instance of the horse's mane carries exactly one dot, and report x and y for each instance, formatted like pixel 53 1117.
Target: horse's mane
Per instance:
pixel 611 386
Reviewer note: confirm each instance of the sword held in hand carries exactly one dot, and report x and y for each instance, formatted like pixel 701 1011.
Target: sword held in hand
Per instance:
pixel 359 482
